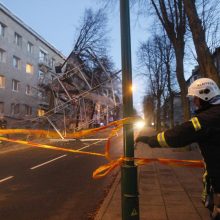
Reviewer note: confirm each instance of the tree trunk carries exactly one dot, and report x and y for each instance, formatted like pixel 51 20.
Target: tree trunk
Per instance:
pixel 181 80
pixel 206 64
pixel 158 125
pixel 171 113
pixel 171 95
pixel 165 113
pixel 175 26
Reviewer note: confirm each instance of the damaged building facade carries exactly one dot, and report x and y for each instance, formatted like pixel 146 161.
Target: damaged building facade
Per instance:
pixel 80 98
pixel 40 88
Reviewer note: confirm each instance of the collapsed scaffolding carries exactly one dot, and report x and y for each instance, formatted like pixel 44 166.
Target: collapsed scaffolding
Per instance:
pixel 78 98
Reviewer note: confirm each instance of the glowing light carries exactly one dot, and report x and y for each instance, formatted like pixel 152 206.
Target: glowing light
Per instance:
pixel 133 88
pixel 139 124
pixel 29 68
pixel 152 123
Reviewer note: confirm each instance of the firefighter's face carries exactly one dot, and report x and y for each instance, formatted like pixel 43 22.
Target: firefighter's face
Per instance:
pixel 196 102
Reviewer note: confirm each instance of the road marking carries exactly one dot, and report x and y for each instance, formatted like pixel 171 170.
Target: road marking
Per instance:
pixel 49 161
pixel 90 145
pixel 7 178
pixel 80 139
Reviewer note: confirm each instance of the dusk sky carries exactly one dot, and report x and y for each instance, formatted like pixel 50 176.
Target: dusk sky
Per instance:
pixel 56 22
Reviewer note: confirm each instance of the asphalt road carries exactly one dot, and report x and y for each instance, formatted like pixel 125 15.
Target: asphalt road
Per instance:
pixel 46 184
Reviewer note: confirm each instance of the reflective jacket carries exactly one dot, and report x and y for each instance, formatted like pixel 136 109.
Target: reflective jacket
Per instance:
pixel 204 128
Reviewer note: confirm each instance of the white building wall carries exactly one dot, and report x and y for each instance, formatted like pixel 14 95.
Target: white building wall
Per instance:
pixel 7 43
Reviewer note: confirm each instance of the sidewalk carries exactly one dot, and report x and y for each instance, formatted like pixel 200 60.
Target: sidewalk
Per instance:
pixel 166 192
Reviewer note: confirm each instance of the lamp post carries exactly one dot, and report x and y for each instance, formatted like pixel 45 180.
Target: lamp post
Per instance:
pixel 129 191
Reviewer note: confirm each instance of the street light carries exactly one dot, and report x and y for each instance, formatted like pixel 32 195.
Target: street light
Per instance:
pixel 139 124
pixel 133 88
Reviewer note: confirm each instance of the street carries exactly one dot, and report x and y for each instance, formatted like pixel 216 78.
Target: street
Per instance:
pixel 45 184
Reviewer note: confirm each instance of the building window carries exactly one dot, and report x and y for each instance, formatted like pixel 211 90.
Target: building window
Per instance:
pixel 42 56
pixel 30 47
pixel 18 39
pixel 52 63
pixel 2 82
pixel 15 85
pixel 16 62
pixel 28 110
pixel 28 90
pixel 41 74
pixel 1 107
pixel 15 109
pixel 2 29
pixel 29 68
pixel 2 55
pixel 40 112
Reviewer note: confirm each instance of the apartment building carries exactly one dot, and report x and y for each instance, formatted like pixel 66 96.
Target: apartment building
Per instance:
pixel 25 59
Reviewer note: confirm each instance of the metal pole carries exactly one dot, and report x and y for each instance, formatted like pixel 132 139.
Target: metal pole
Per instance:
pixel 130 200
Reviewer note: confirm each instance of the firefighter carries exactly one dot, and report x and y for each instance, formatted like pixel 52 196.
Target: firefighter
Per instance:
pixel 203 128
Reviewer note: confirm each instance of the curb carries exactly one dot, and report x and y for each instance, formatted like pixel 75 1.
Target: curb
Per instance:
pixel 108 198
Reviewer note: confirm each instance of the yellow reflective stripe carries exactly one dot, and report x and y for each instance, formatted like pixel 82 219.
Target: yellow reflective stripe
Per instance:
pixel 196 123
pixel 161 140
pixel 204 176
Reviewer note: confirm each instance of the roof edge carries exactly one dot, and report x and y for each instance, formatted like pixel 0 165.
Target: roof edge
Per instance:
pixel 29 29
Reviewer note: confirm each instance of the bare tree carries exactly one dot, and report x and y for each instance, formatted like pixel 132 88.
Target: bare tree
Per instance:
pixel 91 34
pixel 198 29
pixel 172 16
pixel 151 56
pixel 91 45
pixel 168 57
pixel 208 11
pixel 90 50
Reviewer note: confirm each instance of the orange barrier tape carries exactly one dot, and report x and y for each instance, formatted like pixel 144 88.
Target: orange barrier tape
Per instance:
pixel 117 125
pixel 28 131
pixel 50 147
pixel 68 135
pixel 173 162
pixel 111 135
pixel 107 168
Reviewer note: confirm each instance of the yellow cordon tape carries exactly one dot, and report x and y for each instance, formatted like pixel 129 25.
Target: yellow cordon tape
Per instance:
pixel 78 134
pixel 50 147
pixel 107 168
pixel 117 125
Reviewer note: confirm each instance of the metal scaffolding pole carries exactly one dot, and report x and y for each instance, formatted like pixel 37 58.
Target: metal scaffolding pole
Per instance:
pixel 53 125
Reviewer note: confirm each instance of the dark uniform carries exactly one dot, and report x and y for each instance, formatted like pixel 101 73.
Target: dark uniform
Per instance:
pixel 204 129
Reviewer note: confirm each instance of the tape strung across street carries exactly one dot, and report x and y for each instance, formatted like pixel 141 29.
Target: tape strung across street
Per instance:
pixel 107 168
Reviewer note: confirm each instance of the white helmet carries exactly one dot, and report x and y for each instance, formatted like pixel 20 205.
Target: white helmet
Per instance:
pixel 204 88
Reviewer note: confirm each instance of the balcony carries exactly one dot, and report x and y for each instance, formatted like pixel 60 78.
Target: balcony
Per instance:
pixel 44 81
pixel 44 64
